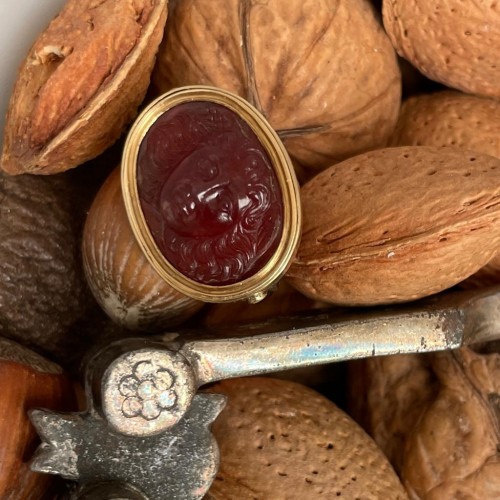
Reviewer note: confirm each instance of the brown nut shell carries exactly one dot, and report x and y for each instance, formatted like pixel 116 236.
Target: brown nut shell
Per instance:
pixel 81 83
pixel 387 396
pixel 454 119
pixel 27 381
pixel 281 440
pixel 445 428
pixel 450 118
pixel 323 72
pixel 454 42
pixel 284 300
pixel 119 275
pixel 43 295
pixel 397 224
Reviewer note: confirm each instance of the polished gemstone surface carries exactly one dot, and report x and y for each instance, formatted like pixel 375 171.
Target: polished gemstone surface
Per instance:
pixel 209 193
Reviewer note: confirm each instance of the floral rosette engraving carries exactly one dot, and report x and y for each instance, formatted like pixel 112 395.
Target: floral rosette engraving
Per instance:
pixel 148 391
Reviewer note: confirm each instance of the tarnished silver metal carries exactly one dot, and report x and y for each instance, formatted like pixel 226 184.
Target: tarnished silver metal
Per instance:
pixel 179 463
pixel 146 391
pixel 142 392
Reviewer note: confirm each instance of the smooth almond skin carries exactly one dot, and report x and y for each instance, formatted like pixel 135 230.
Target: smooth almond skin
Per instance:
pixel 454 42
pixel 323 72
pixel 27 381
pixel 397 224
pixel 81 83
pixel 281 440
pixel 119 275
pixel 452 118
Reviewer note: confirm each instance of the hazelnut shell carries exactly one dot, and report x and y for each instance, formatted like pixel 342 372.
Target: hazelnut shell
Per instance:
pixel 119 275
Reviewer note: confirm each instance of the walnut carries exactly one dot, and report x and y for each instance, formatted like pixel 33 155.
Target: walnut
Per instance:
pixel 323 72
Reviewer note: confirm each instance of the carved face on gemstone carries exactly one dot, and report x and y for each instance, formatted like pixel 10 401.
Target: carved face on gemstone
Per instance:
pixel 209 193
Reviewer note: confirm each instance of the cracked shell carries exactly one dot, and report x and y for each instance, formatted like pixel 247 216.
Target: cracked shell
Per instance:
pixel 81 83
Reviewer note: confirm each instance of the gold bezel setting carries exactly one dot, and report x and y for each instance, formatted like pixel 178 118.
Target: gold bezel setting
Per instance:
pixel 255 287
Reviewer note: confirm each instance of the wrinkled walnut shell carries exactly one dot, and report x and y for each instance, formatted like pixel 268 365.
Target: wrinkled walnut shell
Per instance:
pixel 322 72
pixel 437 418
pixel 81 83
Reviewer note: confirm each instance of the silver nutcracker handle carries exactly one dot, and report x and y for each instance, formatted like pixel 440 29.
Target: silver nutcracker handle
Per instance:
pixel 129 372
pixel 146 432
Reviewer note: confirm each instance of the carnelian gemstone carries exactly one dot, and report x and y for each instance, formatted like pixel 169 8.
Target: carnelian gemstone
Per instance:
pixel 209 193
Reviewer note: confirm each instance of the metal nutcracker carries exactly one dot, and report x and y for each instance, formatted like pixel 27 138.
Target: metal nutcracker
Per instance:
pixel 145 434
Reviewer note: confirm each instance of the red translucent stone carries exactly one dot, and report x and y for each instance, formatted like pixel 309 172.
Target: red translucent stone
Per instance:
pixel 209 193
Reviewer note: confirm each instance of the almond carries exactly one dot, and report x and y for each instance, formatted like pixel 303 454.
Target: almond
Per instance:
pixel 454 42
pixel 452 118
pixel 397 224
pixel 281 440
pixel 81 83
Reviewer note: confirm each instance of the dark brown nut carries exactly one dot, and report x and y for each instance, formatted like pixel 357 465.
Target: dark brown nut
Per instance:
pixel 43 294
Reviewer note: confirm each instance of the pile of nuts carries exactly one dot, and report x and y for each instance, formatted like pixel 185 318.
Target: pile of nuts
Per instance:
pixel 400 200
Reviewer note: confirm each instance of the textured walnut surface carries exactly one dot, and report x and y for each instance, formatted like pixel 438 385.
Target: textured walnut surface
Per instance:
pixel 438 419
pixel 281 440
pixel 322 71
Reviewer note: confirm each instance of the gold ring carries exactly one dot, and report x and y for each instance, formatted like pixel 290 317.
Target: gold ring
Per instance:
pixel 211 195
